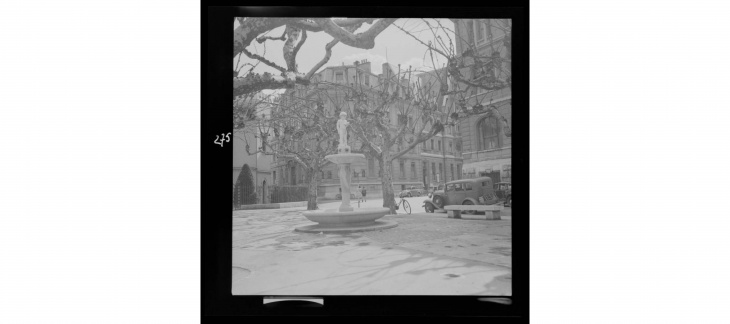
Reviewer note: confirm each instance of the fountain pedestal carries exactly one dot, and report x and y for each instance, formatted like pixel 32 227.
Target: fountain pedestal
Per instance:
pixel 346 218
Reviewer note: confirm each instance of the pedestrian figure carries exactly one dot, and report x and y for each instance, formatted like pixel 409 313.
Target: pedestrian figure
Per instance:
pixel 364 192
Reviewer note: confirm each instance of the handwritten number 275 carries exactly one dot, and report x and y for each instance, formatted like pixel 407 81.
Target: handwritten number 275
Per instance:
pixel 226 137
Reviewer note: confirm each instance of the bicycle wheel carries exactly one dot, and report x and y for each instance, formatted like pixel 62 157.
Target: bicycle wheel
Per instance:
pixel 406 206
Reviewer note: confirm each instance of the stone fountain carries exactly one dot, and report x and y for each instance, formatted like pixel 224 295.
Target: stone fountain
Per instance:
pixel 345 218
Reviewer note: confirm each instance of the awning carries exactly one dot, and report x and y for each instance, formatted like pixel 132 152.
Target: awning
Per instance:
pixel 485 166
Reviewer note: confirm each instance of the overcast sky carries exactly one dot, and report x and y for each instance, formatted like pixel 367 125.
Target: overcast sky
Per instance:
pixel 392 43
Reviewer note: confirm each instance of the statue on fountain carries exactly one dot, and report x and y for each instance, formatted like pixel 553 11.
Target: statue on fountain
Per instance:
pixel 346 219
pixel 342 124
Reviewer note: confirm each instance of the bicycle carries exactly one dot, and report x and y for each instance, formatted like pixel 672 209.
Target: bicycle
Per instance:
pixel 406 205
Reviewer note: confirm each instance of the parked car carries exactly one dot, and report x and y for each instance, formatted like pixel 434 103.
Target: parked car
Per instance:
pixel 478 191
pixel 413 191
pixel 503 190
pixel 433 189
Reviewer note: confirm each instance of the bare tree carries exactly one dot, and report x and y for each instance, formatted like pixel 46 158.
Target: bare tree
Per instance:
pixel 306 133
pixel 294 36
pixel 389 120
pixel 302 132
pixel 470 72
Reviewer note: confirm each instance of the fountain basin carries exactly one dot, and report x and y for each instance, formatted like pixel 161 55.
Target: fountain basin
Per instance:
pixel 332 220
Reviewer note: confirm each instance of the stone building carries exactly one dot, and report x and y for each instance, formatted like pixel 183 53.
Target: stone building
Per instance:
pixel 436 160
pixel 259 162
pixel 442 154
pixel 484 46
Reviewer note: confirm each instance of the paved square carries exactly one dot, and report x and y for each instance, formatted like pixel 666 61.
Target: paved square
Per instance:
pixel 427 254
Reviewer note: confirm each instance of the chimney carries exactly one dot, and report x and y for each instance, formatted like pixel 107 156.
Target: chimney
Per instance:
pixel 365 66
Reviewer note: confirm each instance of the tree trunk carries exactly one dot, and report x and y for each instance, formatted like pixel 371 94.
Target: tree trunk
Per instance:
pixel 386 167
pixel 313 183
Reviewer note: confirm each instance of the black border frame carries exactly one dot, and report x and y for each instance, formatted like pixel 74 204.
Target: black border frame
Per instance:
pixel 216 225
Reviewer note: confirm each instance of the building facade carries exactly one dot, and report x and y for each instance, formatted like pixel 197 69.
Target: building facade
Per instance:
pixel 443 152
pixel 436 160
pixel 259 162
pixel 486 141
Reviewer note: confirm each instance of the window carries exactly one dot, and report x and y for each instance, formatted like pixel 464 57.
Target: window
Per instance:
pixel 488 134
pixel 439 145
pixel 506 171
pixel 329 174
pixel 470 31
pixel 354 174
pixel 371 166
pixel 339 77
pixel 441 169
pixel 424 171
pixel 424 145
pixel 458 187
pixel 274 177
pixel 431 145
pixel 413 171
pixel 458 171
pixel 452 172
pixel 450 187
pixel 467 186
pixel 451 147
pixel 479 31
pixel 362 173
pixel 402 169
pixel 433 171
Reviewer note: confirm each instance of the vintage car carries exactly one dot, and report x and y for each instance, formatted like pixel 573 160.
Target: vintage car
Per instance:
pixel 411 192
pixel 478 191
pixel 433 189
pixel 503 190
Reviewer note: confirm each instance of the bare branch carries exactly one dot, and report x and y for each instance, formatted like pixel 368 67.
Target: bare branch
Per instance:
pixel 290 46
pixel 250 28
pixel 264 38
pixel 347 22
pixel 327 55
pixel 294 52
pixel 420 41
pixel 255 82
pixel 264 60
pixel 365 40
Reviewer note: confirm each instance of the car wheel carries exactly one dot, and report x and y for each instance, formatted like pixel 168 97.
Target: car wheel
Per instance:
pixel 429 208
pixel 470 212
pixel 438 201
